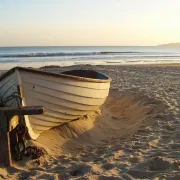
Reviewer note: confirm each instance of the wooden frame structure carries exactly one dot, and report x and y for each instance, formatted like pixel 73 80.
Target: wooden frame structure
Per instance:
pixel 8 121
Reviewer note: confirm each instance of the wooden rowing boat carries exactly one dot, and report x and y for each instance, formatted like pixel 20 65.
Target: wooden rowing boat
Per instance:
pixel 66 96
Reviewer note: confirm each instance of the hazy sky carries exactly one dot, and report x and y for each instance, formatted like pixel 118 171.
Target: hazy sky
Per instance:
pixel 89 22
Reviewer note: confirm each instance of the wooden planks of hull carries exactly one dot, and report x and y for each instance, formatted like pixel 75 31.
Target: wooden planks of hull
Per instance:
pixel 65 99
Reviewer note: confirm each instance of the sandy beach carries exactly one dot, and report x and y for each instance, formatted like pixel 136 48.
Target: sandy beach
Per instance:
pixel 135 134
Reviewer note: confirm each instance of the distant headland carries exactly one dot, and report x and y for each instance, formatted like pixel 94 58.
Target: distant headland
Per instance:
pixel 170 44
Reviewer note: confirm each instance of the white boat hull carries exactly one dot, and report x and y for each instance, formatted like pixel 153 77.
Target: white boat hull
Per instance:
pixel 65 98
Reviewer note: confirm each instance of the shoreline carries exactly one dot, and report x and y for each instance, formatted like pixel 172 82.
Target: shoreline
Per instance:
pixel 108 64
pixel 7 66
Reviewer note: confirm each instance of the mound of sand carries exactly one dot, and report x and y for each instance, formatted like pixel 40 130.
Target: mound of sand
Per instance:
pixel 119 118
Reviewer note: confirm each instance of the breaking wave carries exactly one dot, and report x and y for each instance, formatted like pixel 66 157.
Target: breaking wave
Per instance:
pixel 55 54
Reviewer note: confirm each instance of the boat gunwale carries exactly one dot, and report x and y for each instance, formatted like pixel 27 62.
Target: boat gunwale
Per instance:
pixel 85 79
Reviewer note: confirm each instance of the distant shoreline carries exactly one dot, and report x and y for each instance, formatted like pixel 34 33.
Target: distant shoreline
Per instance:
pixel 170 44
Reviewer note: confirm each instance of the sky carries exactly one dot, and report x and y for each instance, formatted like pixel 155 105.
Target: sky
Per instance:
pixel 89 22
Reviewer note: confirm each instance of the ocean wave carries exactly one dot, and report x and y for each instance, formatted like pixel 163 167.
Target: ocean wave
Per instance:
pixel 102 54
pixel 47 54
pixel 56 54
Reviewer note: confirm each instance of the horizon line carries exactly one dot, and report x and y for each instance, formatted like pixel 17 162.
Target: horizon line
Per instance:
pixel 77 46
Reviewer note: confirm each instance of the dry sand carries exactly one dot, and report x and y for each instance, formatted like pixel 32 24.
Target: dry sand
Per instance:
pixel 135 135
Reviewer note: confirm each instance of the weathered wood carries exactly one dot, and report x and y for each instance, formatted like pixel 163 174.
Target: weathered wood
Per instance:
pixel 5 153
pixel 25 110
pixel 3 123
pixel 8 121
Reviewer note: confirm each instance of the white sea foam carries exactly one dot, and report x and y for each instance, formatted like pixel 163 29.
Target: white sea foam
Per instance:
pixel 65 56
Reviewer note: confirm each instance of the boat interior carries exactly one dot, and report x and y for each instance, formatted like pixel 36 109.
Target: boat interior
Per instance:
pixel 86 74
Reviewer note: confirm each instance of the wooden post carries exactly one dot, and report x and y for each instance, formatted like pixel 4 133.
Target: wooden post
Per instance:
pixel 5 153
pixel 24 110
pixel 6 126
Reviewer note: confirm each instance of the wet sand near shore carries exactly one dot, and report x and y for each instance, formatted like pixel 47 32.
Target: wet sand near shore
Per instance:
pixel 135 134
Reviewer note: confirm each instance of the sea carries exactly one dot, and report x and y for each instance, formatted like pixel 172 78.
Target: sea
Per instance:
pixel 38 56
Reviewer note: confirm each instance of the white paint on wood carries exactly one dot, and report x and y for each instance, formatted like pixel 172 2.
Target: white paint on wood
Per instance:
pixel 69 81
pixel 65 99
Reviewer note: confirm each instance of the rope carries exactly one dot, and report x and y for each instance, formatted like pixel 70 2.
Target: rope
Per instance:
pixel 13 96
